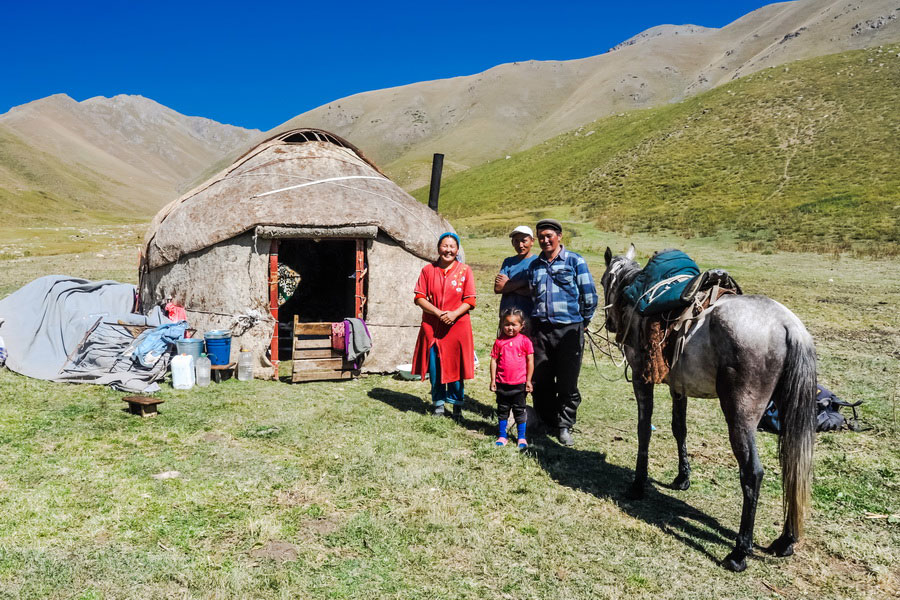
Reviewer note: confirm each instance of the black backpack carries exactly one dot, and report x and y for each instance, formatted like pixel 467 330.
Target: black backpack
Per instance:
pixel 828 413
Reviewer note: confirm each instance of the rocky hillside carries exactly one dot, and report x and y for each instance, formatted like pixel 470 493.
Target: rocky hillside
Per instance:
pixel 514 106
pixel 799 156
pixel 123 157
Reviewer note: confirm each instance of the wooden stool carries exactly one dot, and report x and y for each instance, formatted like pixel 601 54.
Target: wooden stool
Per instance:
pixel 217 371
pixel 143 405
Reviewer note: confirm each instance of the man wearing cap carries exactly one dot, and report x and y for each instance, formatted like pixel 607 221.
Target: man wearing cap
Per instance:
pixel 522 239
pixel 565 297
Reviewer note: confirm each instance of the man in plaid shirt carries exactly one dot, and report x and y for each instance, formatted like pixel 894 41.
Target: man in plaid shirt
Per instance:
pixel 565 298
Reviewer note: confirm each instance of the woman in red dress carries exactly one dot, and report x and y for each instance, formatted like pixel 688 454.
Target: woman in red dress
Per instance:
pixel 445 350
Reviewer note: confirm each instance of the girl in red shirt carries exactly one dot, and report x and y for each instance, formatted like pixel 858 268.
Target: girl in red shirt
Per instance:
pixel 512 365
pixel 445 349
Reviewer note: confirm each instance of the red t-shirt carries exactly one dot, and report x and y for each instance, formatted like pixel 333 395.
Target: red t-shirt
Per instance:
pixel 512 359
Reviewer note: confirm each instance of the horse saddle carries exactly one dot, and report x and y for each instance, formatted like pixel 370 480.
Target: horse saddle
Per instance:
pixel 708 280
pixel 663 335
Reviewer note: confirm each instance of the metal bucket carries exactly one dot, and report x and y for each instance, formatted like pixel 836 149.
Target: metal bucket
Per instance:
pixel 191 346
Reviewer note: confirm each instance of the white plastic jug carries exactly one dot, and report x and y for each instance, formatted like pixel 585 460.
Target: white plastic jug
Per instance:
pixel 183 372
pixel 202 369
pixel 245 365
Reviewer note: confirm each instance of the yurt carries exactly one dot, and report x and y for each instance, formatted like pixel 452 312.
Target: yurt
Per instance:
pixel 301 232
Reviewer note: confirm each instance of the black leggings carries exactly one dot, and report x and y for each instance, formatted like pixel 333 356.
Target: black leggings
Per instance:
pixel 511 397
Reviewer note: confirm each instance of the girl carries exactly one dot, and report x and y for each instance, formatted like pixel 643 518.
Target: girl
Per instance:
pixel 512 365
pixel 444 349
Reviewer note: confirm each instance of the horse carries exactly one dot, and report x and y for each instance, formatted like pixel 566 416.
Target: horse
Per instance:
pixel 745 350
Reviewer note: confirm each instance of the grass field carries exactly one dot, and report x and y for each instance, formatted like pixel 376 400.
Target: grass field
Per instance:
pixel 349 490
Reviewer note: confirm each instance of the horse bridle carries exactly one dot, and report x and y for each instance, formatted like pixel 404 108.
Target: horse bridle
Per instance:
pixel 603 333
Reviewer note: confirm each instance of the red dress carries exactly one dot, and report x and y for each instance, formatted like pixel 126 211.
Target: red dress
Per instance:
pixel 446 290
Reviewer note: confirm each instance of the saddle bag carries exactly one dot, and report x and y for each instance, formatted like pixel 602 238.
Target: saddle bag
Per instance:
pixel 658 288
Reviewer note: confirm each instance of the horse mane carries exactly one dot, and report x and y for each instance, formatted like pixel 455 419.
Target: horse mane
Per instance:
pixel 624 277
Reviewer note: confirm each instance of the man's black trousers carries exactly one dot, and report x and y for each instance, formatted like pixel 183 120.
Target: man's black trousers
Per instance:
pixel 557 363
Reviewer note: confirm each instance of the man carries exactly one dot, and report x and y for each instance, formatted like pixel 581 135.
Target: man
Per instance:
pixel 565 298
pixel 522 239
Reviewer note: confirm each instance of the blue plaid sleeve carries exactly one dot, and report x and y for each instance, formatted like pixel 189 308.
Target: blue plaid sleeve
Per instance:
pixel 588 291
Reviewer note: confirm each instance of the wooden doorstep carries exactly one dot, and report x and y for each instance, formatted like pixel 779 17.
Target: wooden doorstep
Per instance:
pixel 312 329
pixel 299 376
pixel 317 342
pixel 314 353
pixel 319 364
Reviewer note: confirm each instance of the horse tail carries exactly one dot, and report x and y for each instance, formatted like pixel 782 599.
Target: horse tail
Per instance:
pixel 795 397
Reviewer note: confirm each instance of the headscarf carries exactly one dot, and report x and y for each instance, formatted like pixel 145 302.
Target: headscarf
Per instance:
pixel 455 237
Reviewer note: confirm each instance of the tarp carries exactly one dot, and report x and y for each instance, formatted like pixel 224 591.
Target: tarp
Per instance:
pixel 61 328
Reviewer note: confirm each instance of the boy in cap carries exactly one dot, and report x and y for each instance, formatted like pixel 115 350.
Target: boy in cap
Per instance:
pixel 522 239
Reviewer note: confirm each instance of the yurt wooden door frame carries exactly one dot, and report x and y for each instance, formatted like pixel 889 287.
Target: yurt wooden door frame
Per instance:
pixel 310 341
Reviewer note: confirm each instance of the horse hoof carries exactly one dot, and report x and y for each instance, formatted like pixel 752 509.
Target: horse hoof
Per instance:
pixel 635 491
pixel 735 562
pixel 682 482
pixel 783 546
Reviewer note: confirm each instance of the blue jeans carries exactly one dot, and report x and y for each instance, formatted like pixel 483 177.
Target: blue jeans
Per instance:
pixel 451 392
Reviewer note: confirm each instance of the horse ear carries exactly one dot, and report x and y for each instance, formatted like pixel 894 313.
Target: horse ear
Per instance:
pixel 631 252
pixel 608 255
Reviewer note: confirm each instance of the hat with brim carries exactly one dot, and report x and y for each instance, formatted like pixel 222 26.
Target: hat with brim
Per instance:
pixel 522 229
pixel 549 224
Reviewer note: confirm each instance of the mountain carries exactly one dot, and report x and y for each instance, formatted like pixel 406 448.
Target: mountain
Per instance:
pixel 119 158
pixel 512 107
pixel 799 156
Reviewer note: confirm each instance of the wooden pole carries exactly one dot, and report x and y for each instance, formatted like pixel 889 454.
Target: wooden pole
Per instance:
pixel 360 303
pixel 273 303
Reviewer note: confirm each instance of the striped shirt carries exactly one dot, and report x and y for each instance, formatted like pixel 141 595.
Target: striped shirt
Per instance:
pixel 563 289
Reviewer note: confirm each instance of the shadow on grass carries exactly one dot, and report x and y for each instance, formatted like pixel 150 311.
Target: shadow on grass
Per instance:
pixel 411 403
pixel 588 471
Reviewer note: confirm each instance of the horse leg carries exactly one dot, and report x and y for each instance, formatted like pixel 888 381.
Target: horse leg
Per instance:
pixel 679 430
pixel 643 392
pixel 742 434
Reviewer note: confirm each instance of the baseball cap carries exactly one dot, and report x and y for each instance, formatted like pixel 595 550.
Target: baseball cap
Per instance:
pixel 522 229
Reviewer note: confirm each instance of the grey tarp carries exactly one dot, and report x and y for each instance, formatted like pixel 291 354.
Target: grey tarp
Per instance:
pixel 67 329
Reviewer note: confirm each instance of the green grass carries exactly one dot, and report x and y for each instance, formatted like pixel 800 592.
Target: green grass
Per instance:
pixel 349 490
pixel 797 157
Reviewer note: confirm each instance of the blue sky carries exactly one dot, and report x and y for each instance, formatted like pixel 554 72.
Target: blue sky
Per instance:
pixel 257 64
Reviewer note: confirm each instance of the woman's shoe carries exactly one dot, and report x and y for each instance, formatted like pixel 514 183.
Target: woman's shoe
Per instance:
pixel 457 412
pixel 438 411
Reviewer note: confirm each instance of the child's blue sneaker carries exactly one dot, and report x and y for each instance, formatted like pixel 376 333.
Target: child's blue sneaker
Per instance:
pixel 523 444
pixel 501 441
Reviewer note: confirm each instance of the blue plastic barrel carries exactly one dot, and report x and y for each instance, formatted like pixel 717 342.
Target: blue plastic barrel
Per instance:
pixel 218 346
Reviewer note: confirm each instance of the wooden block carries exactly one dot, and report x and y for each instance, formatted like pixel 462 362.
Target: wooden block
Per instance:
pixel 142 405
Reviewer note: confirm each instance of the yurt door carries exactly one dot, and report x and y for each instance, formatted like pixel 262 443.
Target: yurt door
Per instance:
pixel 319 284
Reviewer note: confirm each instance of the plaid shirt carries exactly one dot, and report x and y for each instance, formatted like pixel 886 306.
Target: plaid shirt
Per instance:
pixel 563 290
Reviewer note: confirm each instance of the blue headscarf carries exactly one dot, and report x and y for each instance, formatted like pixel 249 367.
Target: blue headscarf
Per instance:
pixel 455 237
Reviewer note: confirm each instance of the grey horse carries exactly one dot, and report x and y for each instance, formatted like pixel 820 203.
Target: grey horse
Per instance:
pixel 743 350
